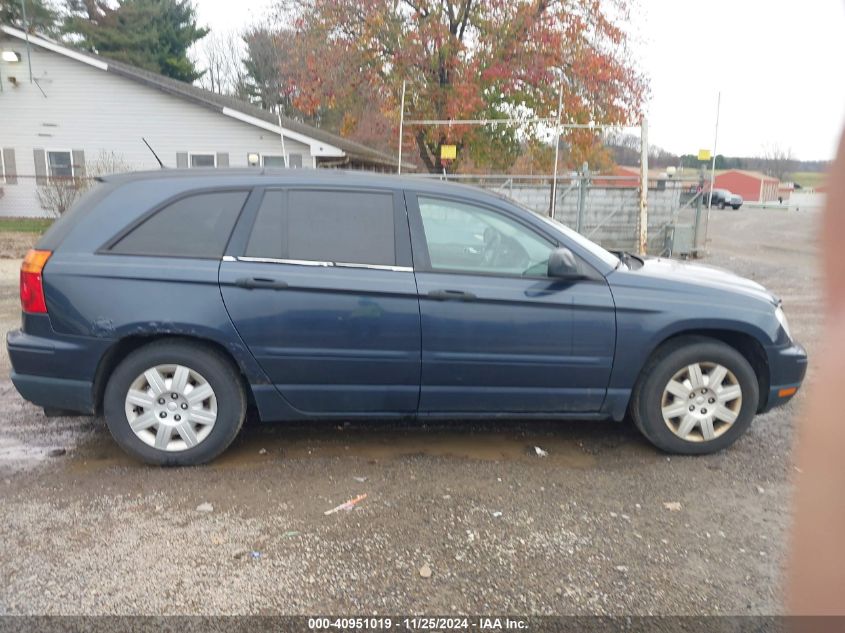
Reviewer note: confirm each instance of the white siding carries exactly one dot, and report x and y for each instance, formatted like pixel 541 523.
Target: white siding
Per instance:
pixel 84 108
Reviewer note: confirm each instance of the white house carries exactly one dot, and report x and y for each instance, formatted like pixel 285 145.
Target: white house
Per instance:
pixel 61 109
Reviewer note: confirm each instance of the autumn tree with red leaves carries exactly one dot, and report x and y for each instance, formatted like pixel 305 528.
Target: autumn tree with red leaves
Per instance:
pixel 467 59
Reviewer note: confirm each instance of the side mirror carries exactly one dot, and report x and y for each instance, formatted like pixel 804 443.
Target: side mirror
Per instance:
pixel 562 264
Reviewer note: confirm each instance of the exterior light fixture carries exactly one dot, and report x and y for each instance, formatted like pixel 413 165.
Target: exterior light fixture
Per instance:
pixel 252 159
pixel 13 57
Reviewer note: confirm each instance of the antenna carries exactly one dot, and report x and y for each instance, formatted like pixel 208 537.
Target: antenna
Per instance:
pixel 154 153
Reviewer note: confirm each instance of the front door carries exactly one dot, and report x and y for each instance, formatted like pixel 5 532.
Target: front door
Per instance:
pixel 498 335
pixel 323 294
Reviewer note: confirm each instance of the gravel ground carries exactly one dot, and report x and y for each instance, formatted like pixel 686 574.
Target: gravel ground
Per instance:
pixel 584 530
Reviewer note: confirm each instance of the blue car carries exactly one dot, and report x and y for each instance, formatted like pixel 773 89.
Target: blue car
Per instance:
pixel 172 302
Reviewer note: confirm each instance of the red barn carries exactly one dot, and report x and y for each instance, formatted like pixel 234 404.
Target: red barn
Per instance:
pixel 751 185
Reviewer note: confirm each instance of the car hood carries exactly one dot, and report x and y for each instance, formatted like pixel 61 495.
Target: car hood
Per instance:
pixel 701 275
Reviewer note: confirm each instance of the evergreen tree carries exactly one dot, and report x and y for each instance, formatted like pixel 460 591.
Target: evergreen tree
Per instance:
pixel 41 17
pixel 150 34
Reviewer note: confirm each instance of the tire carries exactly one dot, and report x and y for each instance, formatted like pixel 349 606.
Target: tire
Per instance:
pixel 736 207
pixel 721 205
pixel 670 362
pixel 192 426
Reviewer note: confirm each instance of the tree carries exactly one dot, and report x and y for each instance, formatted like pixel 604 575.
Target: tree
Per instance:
pixel 777 162
pixel 267 64
pixel 468 59
pixel 223 72
pixel 41 16
pixel 57 195
pixel 150 34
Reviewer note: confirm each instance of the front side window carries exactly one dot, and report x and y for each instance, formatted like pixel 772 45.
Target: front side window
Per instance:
pixel 60 164
pixel 342 227
pixel 195 226
pixel 203 160
pixel 466 238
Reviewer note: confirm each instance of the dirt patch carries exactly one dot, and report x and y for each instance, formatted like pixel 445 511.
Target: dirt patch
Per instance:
pixel 14 245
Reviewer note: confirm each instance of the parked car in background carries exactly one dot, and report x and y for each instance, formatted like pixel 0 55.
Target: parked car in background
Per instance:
pixel 735 201
pixel 723 198
pixel 173 301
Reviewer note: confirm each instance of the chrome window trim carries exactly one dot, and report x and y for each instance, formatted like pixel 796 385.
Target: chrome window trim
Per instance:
pixel 305 262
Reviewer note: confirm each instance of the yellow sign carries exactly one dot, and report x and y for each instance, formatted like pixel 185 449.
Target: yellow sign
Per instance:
pixel 704 154
pixel 448 152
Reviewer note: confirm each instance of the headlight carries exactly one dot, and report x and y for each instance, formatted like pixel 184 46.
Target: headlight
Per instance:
pixel 781 317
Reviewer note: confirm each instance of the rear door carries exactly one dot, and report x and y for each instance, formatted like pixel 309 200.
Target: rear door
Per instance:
pixel 320 286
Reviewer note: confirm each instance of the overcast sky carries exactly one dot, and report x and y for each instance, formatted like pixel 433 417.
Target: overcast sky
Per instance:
pixel 778 64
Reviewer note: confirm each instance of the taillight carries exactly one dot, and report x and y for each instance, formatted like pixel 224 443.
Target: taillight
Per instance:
pixel 32 287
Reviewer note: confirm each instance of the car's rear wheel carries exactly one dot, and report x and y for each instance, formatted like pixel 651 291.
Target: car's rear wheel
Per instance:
pixel 174 403
pixel 721 205
pixel 695 396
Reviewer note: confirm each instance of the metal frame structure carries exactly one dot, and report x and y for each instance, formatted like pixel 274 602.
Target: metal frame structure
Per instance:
pixel 558 128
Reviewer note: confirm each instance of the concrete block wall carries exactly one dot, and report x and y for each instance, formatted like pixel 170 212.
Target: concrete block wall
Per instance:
pixel 610 213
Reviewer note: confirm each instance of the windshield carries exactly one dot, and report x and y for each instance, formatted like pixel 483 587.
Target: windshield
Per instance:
pixel 606 256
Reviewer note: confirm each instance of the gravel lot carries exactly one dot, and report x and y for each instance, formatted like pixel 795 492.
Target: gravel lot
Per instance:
pixel 582 531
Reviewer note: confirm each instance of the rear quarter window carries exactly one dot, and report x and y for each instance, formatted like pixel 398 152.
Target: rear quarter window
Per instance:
pixel 197 225
pixel 60 229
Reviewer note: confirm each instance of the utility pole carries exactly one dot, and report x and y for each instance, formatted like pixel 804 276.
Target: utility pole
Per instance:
pixel 699 204
pixel 553 205
pixel 642 224
pixel 26 34
pixel 713 169
pixel 282 136
pixel 401 126
pixel 583 183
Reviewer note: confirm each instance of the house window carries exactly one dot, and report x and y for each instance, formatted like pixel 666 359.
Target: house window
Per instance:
pixel 277 160
pixel 60 164
pixel 272 161
pixel 202 159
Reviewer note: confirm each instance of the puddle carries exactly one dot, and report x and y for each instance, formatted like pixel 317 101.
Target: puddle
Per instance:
pixel 458 441
pixel 27 436
pixel 99 453
pixel 264 444
pixel 14 453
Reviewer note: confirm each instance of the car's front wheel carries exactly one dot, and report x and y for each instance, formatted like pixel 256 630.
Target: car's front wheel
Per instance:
pixel 695 396
pixel 174 403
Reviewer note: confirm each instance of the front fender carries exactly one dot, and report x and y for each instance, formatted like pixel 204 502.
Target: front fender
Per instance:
pixel 645 318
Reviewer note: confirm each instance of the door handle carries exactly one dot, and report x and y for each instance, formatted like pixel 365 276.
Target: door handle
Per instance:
pixel 451 295
pixel 260 282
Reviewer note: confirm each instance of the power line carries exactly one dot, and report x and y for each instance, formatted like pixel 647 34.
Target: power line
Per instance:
pixel 552 120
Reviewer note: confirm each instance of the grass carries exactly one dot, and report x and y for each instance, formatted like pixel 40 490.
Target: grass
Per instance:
pixel 809 179
pixel 25 225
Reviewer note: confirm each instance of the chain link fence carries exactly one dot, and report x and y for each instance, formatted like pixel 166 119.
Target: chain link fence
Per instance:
pixel 606 208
